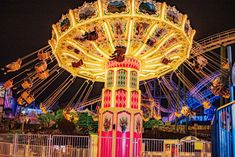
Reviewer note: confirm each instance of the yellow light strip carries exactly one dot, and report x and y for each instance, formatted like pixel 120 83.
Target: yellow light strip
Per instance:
pixel 173 48
pixel 153 65
pixel 115 77
pixel 109 35
pixel 117 16
pixel 102 100
pixel 158 46
pixel 58 60
pixel 128 88
pixel 106 76
pixel 165 72
pixel 85 72
pixel 113 96
pixel 97 74
pixel 72 17
pixel 100 77
pixel 163 10
pixel 56 32
pixel 77 57
pixel 100 51
pixel 92 64
pixel 138 79
pixel 154 58
pixel 114 85
pixel 157 69
pixel 192 35
pixel 132 7
pixel 139 91
pixel 139 100
pixel 87 21
pixel 129 36
pixel 147 74
pixel 148 70
pixel 91 69
pixel 189 51
pixel 146 39
pixel 84 51
pixel 184 22
pixel 175 57
pixel 100 8
pixel 51 45
pixel 163 67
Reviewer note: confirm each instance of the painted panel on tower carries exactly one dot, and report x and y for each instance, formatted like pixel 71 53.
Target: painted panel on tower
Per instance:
pixel 120 98
pixel 107 98
pixel 106 134
pixel 137 135
pixel 123 134
pixel 134 99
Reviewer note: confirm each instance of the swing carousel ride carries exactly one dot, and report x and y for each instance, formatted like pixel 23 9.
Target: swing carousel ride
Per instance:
pixel 126 45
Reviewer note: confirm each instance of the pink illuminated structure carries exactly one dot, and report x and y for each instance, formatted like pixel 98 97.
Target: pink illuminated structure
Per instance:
pixel 120 114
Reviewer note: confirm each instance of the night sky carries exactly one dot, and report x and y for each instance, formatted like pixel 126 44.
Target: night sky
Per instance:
pixel 26 24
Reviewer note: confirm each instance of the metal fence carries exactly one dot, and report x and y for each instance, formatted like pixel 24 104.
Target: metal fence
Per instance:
pixel 31 145
pixel 69 146
pixel 27 145
pixel 175 148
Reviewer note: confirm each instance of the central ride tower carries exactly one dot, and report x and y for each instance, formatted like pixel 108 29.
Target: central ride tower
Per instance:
pixel 120 119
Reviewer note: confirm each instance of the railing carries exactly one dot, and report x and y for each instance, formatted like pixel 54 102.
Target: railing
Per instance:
pixel 175 148
pixel 84 146
pixel 31 145
pixel 62 145
pixel 224 131
pixel 213 42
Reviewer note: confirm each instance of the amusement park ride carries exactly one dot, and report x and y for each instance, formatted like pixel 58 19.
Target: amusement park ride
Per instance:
pixel 125 44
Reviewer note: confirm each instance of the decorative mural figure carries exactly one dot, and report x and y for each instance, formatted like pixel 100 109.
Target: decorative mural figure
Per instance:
pixel 106 134
pixel 140 28
pixel 147 7
pixel 107 124
pixel 123 124
pixel 116 6
pixel 137 134
pixel 138 126
pixel 118 28
pixel 86 13
pixel 123 134
pixel 65 24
